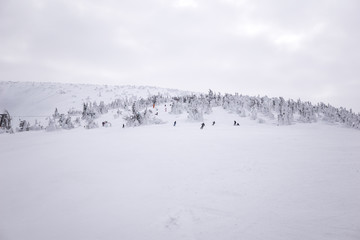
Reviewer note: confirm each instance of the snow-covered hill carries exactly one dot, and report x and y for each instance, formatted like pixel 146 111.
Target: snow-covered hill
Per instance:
pixel 35 102
pixel 33 106
pixel 255 180
pixel 34 98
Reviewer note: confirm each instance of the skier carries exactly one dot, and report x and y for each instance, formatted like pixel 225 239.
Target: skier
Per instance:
pixel 202 125
pixel 106 124
pixel 123 126
pixel 234 123
pixel 174 123
pixel 213 123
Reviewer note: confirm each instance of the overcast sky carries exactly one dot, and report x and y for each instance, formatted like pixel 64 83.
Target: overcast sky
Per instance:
pixel 305 49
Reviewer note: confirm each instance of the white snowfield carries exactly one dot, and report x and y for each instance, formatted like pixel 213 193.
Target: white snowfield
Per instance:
pixel 253 181
pixel 26 99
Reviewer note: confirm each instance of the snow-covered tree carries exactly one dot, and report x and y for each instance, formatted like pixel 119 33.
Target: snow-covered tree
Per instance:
pixel 56 113
pixel 176 107
pixel 52 125
pixel 36 126
pixel 195 113
pixel 23 126
pixel 90 123
pixel 135 118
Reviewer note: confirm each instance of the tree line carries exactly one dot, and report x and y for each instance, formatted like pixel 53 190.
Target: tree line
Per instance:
pixel 141 111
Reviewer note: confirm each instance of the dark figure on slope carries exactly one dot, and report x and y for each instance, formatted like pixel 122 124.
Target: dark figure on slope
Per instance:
pixel 174 123
pixel 202 125
pixel 213 123
pixel 106 124
pixel 234 123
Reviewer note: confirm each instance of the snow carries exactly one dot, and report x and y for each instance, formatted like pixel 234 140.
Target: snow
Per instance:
pixel 255 181
pixel 41 98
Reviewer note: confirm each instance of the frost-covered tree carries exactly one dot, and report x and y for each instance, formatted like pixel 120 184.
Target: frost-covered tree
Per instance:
pixel 56 113
pixel 36 126
pixel 306 112
pixel 285 115
pixel 5 123
pixel 88 112
pixel 102 108
pixel 253 115
pixel 176 106
pixel 52 125
pixel 195 113
pixel 77 122
pixel 90 123
pixel 23 126
pixel 65 122
pixel 135 118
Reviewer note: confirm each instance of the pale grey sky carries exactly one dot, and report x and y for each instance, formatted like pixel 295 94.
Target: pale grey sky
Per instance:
pixel 296 49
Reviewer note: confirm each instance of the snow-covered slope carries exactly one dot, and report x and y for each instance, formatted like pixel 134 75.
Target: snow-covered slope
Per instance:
pixel 41 99
pixel 252 181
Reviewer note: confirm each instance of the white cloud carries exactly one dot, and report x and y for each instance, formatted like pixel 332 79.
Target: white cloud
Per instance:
pixel 295 41
pixel 290 41
pixel 253 29
pixel 186 4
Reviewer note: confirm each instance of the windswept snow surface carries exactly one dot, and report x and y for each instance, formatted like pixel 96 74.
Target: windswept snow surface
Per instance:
pixel 255 181
pixel 26 99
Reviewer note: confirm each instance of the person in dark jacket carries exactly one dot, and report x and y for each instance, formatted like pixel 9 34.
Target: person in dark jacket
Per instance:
pixel 202 125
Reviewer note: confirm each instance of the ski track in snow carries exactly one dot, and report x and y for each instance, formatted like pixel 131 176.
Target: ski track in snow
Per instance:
pixel 256 181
